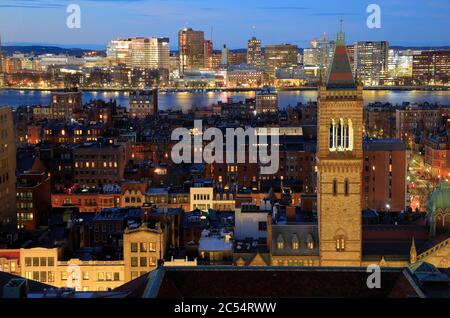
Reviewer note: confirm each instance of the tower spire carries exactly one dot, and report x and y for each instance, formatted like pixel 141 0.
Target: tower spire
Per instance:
pixel 340 74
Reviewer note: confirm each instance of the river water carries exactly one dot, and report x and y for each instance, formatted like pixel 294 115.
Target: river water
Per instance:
pixel 185 101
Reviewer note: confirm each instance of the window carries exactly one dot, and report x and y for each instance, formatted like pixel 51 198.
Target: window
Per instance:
pixel 116 276
pixel 340 244
pixel 152 261
pixel 51 277
pixel 36 276
pixel 335 187
pixel 29 275
pixel 295 245
pixel 134 262
pixel 346 188
pixel 101 276
pixel 310 242
pixel 152 247
pixel 64 275
pixel 28 261
pixel 134 275
pixel 43 277
pixel 262 226
pixel 134 247
pixel 50 261
pixel 35 261
pixel 85 275
pixel 143 247
pixel 280 245
pixel 109 276
pixel 43 261
pixel 143 262
pixel 341 135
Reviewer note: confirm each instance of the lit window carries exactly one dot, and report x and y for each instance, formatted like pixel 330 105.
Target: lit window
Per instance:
pixel 340 244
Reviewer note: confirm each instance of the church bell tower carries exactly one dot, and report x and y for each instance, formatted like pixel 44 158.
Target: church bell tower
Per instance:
pixel 340 162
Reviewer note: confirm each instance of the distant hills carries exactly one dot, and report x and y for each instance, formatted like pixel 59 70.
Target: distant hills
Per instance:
pixel 44 49
pixel 50 49
pixel 421 48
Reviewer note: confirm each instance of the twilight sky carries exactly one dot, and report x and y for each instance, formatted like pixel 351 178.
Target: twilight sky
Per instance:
pixel 404 22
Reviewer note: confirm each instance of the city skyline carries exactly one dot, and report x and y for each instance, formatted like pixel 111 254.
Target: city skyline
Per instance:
pixel 404 23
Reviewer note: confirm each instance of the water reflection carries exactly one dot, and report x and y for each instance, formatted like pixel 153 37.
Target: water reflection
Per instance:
pixel 186 101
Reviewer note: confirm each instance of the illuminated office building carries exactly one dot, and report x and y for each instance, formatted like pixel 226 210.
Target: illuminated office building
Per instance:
pixel 280 56
pixel 209 50
pixel 254 53
pixel 371 60
pixel 191 46
pixel 431 68
pixel 150 53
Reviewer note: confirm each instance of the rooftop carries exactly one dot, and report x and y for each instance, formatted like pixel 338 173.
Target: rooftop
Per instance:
pixel 384 145
pixel 282 282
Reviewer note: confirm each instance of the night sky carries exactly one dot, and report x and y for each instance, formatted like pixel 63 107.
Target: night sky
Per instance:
pixel 404 22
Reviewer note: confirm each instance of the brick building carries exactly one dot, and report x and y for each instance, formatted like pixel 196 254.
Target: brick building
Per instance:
pixel 384 176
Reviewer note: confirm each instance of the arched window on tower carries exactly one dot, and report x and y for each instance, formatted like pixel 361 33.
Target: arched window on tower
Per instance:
pixel 331 144
pixel 346 137
pixel 340 243
pixel 333 135
pixel 350 135
pixel 340 137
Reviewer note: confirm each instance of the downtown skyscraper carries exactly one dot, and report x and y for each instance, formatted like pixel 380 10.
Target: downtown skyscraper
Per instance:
pixel 371 61
pixel 149 53
pixel 191 46
pixel 254 53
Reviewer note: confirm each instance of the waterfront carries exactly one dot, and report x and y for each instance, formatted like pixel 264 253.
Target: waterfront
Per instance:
pixel 187 100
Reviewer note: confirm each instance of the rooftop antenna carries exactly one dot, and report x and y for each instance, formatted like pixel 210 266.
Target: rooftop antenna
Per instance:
pixel 254 30
pixel 340 40
pixel 1 56
pixel 211 35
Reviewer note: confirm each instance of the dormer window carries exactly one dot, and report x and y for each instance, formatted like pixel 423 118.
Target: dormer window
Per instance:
pixel 310 242
pixel 295 242
pixel 280 242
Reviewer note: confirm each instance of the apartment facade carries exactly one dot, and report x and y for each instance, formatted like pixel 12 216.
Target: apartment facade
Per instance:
pixel 384 176
pixel 7 168
pixel 143 247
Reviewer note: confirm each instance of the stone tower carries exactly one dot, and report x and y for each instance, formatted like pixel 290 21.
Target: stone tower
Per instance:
pixel 340 162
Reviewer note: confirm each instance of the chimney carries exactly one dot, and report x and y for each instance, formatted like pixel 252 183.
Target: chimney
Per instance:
pixel 290 213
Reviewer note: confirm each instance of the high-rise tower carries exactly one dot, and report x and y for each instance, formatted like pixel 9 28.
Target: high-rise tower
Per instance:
pixel 340 162
pixel 254 52
pixel 2 76
pixel 191 47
